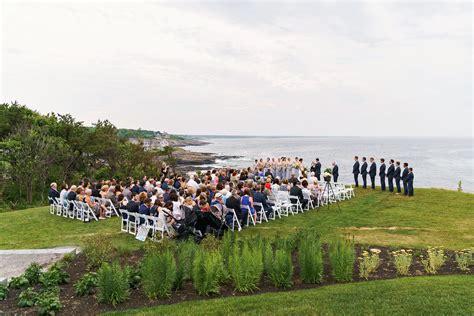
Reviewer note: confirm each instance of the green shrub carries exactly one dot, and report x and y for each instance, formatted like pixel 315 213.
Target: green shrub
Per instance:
pixel 246 268
pixel 464 258
pixel 3 292
pixel 32 273
pixel 18 282
pixel 159 274
pixel 267 255
pixel 27 298
pixel 98 249
pixel 207 272
pixel 342 256
pixel 282 270
pixel 113 284
pixel 402 261
pixel 211 243
pixel 311 261
pixel 68 258
pixel 434 260
pixel 86 284
pixel 369 262
pixel 184 265
pixel 135 278
pixel 54 276
pixel 48 302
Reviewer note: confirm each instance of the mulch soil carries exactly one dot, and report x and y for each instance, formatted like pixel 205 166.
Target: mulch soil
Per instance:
pixel 87 305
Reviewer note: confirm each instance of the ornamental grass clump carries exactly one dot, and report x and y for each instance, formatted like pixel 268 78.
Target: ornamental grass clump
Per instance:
pixel 402 261
pixel 311 261
pixel 207 271
pixel 342 257
pixel 159 271
pixel 113 284
pixel 246 268
pixel 369 262
pixel 434 260
pixel 282 270
pixel 464 258
pixel 267 256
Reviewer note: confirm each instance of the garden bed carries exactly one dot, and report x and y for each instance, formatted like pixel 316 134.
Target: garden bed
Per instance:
pixel 82 305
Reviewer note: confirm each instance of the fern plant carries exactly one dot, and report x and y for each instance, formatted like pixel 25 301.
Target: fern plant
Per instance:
pixel 159 274
pixel 113 284
pixel 282 271
pixel 342 257
pixel 184 263
pixel 207 272
pixel 311 261
pixel 267 254
pixel 246 268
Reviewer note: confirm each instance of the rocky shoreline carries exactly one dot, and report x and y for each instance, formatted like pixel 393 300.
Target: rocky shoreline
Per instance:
pixel 187 160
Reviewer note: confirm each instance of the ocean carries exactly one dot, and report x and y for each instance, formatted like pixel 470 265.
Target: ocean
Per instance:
pixel 436 162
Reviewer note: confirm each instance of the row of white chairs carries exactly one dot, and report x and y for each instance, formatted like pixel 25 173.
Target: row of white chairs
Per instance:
pixel 130 222
pixel 80 210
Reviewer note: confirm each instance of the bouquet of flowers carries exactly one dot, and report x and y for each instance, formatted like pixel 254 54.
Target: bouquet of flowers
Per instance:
pixel 327 174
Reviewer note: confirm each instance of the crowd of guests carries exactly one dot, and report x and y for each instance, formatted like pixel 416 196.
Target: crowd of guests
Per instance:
pixel 392 174
pixel 205 197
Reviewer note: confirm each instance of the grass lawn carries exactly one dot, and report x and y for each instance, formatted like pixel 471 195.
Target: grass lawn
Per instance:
pixel 434 295
pixel 434 217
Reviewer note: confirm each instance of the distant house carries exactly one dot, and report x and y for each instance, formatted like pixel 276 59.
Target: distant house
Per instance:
pixel 164 143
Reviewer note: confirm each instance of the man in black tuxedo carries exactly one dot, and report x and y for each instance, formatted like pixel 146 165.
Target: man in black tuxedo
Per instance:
pixel 363 171
pixel 335 171
pixel 404 178
pixel 410 178
pixel 382 174
pixel 356 171
pixel 317 169
pixel 372 172
pixel 397 176
pixel 390 175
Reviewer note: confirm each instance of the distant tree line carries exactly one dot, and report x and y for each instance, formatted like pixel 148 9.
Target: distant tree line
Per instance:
pixel 38 149
pixel 136 133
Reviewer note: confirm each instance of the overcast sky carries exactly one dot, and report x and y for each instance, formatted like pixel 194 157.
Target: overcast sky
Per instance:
pixel 253 68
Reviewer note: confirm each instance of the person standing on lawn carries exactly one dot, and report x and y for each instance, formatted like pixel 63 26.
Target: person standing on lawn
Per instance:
pixel 397 176
pixel 356 171
pixel 382 174
pixel 410 178
pixel 363 172
pixel 372 172
pixel 404 178
pixel 390 174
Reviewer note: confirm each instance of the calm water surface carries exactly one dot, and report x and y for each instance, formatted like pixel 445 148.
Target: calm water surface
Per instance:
pixel 437 162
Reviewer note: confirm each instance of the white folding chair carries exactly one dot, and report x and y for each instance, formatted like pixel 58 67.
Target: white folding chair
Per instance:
pixel 124 221
pixel 161 227
pixel 235 219
pixel 132 223
pixel 261 214
pixel 250 218
pixel 52 205
pixel 295 203
pixel 87 212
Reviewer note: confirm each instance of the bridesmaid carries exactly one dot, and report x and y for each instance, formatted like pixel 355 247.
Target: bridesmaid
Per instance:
pixel 274 167
pixel 278 168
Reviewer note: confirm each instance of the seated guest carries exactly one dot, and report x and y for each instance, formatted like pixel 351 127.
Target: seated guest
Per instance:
pixel 53 192
pixel 71 196
pixel 296 191
pixel 259 197
pixel 145 207
pixel 247 200
pixel 63 194
pixel 233 202
pixel 284 186
pixel 133 205
pixel 96 190
pixel 127 192
pixel 103 191
pixel 97 208
pixel 307 194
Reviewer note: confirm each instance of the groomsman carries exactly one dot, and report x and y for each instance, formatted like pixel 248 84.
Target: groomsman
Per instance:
pixel 397 176
pixel 372 172
pixel 356 171
pixel 382 174
pixel 410 178
pixel 363 171
pixel 335 171
pixel 317 169
pixel 390 175
pixel 404 178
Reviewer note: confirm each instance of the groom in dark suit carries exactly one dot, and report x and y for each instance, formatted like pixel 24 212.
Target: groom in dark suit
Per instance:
pixel 397 176
pixel 363 172
pixel 372 172
pixel 335 171
pixel 317 169
pixel 382 174
pixel 390 175
pixel 356 171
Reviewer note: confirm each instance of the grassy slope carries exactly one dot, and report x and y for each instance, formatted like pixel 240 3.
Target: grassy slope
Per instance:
pixel 407 296
pixel 432 217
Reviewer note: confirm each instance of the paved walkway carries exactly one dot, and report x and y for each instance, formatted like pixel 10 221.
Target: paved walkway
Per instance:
pixel 14 262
